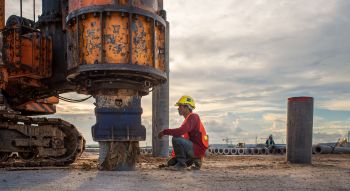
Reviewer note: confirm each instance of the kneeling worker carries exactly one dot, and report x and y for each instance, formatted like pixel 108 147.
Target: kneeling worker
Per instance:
pixel 193 147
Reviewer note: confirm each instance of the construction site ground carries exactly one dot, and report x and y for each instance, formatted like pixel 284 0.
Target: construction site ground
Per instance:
pixel 268 172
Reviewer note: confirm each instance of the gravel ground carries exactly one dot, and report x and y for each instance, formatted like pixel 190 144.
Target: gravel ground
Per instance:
pixel 327 172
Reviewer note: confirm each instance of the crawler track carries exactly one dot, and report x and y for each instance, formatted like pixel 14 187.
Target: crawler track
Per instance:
pixel 38 141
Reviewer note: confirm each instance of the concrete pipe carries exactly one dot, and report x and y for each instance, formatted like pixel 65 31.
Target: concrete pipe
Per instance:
pixel 227 151
pixel 255 151
pixel 280 151
pixel 142 151
pixel 284 150
pixel 247 151
pixel 299 129
pixel 241 151
pixel 268 151
pixel 216 151
pixel 341 150
pixel 234 151
pixel 314 149
pixel 221 151
pixel 149 151
pixel 323 149
pixel 262 151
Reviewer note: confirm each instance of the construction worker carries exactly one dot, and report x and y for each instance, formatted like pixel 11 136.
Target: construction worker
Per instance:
pixel 192 148
pixel 270 143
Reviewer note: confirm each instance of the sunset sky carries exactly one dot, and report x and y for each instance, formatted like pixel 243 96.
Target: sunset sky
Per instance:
pixel 241 60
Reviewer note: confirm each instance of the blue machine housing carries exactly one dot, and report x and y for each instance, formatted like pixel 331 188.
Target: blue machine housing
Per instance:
pixel 119 124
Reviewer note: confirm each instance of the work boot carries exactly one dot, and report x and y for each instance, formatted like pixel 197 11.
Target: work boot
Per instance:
pixel 189 163
pixel 178 167
pixel 170 162
pixel 197 164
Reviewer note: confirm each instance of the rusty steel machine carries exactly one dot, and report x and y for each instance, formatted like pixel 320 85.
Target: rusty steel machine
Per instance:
pixel 113 50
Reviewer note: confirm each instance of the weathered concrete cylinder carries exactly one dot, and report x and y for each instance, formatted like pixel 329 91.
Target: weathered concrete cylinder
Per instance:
pixel 160 109
pixel 299 129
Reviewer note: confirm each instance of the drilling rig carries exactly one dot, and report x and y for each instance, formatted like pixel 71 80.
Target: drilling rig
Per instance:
pixel 113 50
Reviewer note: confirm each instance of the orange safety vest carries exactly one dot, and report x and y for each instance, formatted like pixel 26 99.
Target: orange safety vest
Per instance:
pixel 202 132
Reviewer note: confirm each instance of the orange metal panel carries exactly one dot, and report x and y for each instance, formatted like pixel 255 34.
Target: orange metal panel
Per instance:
pixel 25 56
pixel 116 39
pixel 52 99
pixel 78 4
pixel 30 54
pixel 160 48
pixel 27 53
pixel 3 77
pixel 142 41
pixel 91 39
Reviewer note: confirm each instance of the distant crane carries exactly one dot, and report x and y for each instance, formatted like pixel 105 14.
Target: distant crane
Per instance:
pixel 229 141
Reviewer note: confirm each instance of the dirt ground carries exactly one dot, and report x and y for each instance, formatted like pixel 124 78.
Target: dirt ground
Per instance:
pixel 327 172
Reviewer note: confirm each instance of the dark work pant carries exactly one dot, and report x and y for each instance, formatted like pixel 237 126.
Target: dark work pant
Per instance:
pixel 183 149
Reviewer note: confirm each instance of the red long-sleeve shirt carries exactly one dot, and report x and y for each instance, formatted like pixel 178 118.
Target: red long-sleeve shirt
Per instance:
pixel 190 126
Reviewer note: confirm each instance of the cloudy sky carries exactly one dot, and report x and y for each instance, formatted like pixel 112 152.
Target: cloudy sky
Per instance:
pixel 241 60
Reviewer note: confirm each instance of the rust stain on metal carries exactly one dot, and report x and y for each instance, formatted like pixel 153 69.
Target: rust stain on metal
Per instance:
pixel 116 39
pixel 142 41
pixel 27 55
pixel 91 39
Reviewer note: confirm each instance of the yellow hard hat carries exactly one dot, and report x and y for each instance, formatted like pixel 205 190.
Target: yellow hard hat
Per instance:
pixel 186 100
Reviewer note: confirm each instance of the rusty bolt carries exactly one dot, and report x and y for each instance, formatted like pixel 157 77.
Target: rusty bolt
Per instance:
pixel 118 102
pixel 147 84
pixel 83 17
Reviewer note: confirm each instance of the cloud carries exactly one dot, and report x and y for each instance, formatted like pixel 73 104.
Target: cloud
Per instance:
pixel 343 105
